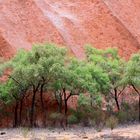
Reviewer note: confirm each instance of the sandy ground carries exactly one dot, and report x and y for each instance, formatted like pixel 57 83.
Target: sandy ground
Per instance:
pixel 121 133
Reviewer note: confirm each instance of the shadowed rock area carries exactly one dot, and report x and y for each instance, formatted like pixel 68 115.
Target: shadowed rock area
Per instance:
pixel 73 23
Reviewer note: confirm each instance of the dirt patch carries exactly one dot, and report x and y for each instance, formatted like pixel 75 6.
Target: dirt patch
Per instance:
pixel 78 133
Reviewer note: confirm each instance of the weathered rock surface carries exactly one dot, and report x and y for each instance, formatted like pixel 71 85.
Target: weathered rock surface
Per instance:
pixel 73 23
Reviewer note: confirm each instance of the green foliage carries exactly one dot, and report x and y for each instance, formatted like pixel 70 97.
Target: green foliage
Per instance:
pixel 7 90
pixel 98 117
pixel 90 115
pixel 128 112
pixel 132 75
pixel 72 119
pixel 108 61
pixel 132 71
pixel 109 71
pixel 77 113
pixel 43 61
pixel 83 100
pixel 122 117
pixel 32 69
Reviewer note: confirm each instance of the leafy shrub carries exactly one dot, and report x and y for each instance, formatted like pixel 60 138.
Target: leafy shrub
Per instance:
pixel 112 122
pixel 72 119
pixel 80 115
pixel 128 113
pixel 84 114
pixel 132 111
pixel 122 116
pixel 77 113
pixel 90 116
pixel 99 117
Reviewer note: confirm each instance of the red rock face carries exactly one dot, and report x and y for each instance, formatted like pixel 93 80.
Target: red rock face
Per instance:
pixel 73 23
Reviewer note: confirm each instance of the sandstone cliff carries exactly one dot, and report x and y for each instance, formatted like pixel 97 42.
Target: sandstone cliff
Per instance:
pixel 73 23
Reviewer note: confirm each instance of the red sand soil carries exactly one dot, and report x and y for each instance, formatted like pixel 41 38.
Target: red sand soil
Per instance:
pixel 73 23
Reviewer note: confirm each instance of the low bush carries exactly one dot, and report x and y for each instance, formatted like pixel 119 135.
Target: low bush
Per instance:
pixel 112 122
pixel 128 113
pixel 98 117
pixel 72 119
pixel 122 117
pixel 77 113
pixel 82 114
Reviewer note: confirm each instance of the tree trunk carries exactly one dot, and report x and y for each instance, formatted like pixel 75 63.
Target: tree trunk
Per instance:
pixel 66 105
pixel 59 101
pixel 116 99
pixel 20 112
pixel 91 100
pixel 42 104
pixel 139 107
pixel 60 104
pixel 41 96
pixel 65 102
pixel 35 89
pixel 32 110
pixel 16 115
pixel 137 91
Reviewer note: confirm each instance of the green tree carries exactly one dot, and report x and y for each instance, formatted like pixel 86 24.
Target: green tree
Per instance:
pixel 13 92
pixel 36 69
pixel 74 78
pixel 132 75
pixel 79 77
pixel 109 61
pixel 71 81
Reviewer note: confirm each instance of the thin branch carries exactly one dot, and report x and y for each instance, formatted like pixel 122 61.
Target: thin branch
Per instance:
pixel 71 95
pixel 13 79
pixel 135 89
pixel 121 91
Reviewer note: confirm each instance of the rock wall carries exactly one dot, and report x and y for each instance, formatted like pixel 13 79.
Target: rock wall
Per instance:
pixel 73 23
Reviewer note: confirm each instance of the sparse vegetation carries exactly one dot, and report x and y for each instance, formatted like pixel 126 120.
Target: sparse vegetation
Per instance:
pixel 72 119
pixel 112 122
